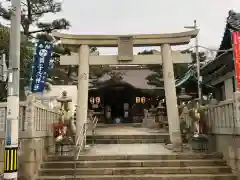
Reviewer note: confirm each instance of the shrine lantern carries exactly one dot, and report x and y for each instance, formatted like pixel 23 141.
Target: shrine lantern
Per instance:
pixel 143 100
pixel 138 99
pixel 92 100
pixel 97 100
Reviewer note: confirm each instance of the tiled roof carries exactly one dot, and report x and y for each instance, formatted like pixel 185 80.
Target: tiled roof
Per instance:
pixel 232 24
pixel 233 21
pixel 137 78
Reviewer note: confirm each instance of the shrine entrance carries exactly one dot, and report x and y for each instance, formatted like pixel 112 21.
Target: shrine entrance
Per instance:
pixel 115 98
pixel 118 101
pixel 80 45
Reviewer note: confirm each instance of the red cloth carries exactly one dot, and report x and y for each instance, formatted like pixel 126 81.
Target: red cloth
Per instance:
pixel 57 128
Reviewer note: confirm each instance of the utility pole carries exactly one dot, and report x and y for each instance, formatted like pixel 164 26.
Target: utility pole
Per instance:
pixel 199 77
pixel 12 120
pixel 3 67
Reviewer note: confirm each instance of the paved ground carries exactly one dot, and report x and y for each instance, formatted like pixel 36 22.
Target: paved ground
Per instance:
pixel 127 149
pixel 125 129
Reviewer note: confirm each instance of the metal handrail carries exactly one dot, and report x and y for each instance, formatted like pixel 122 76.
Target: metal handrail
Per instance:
pixel 80 137
pixel 94 125
pixel 79 145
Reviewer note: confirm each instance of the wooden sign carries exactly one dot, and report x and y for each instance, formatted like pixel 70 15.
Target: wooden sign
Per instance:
pixel 125 48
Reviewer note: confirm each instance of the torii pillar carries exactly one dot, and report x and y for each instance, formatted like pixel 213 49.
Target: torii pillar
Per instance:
pixel 125 56
pixel 171 98
pixel 83 80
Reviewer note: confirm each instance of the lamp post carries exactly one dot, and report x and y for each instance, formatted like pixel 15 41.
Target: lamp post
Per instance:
pixel 198 61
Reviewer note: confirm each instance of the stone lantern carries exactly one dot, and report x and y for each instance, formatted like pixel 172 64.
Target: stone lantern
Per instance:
pixel 64 100
pixel 162 115
pixel 183 96
pixel 67 119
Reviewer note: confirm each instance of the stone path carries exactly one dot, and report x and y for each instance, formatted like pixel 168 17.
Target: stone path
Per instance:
pixel 125 129
pixel 127 149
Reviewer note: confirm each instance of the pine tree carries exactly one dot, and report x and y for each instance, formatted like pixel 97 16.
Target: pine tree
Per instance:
pixel 31 14
pixel 156 77
pixel 26 54
pixel 33 28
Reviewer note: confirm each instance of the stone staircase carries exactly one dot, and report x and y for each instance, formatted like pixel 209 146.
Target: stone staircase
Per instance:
pixel 185 166
pixel 128 139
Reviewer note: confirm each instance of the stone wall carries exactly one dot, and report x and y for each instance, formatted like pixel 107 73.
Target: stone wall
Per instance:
pixel 35 136
pixel 32 152
pixel 225 132
pixel 229 145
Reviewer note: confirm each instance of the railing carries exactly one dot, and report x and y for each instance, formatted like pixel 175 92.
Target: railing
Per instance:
pixel 94 125
pixel 34 119
pixel 221 118
pixel 81 140
pixel 35 132
pixel 79 145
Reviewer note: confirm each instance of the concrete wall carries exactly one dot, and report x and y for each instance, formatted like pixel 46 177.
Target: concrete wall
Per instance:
pixel 224 132
pixel 32 152
pixel 229 145
pixel 227 142
pixel 35 135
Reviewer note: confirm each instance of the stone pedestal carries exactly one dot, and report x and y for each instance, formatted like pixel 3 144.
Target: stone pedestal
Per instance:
pixel 149 120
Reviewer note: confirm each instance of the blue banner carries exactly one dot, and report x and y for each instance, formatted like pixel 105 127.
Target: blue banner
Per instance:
pixel 41 65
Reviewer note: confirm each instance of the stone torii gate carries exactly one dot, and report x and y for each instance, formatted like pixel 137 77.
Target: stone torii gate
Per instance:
pixel 80 45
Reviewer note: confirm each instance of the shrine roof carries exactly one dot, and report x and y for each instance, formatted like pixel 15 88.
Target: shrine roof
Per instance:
pixel 135 78
pixel 232 24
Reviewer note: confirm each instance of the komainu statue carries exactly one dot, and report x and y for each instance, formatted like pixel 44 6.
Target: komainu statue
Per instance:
pixel 65 128
pixel 197 114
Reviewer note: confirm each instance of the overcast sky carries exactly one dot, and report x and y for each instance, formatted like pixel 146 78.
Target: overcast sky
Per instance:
pixel 148 16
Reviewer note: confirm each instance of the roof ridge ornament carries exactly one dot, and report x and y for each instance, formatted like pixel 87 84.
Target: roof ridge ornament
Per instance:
pixel 233 20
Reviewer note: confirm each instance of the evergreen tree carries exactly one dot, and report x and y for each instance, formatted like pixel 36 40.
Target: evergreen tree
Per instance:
pixel 26 53
pixel 156 77
pixel 31 14
pixel 34 28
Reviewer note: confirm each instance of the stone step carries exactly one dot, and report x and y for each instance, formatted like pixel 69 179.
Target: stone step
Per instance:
pixel 137 170
pixel 186 156
pixel 126 141
pixel 135 136
pixel 134 163
pixel 146 177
